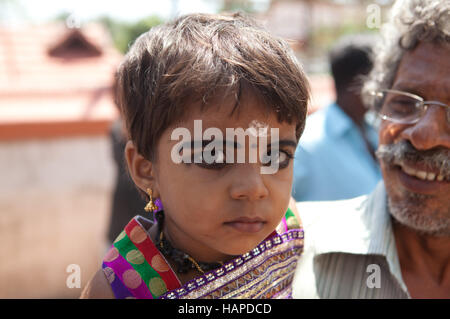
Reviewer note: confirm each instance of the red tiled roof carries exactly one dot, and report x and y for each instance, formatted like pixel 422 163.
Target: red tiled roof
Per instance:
pixel 60 94
pixel 50 73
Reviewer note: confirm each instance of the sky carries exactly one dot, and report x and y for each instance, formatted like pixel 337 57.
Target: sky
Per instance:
pixel 126 10
pixel 18 11
pixel 84 10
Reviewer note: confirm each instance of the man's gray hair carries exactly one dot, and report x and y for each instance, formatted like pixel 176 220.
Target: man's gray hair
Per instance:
pixel 410 22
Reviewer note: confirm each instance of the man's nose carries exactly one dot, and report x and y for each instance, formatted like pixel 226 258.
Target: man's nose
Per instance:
pixel 248 183
pixel 432 130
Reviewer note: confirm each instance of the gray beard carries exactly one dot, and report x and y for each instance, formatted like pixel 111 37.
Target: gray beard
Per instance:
pixel 411 212
pixel 411 209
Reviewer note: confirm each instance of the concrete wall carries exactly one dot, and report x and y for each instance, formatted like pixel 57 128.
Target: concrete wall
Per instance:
pixel 54 210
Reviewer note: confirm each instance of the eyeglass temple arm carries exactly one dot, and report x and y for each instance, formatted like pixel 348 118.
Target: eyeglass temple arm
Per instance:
pixel 435 103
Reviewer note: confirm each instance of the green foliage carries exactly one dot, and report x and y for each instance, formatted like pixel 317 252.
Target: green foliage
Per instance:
pixel 237 5
pixel 124 33
pixel 62 16
pixel 322 38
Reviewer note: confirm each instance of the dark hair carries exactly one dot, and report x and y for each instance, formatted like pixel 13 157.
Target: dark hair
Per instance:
pixel 350 59
pixel 195 58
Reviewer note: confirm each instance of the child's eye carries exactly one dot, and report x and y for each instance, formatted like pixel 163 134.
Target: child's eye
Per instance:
pixel 282 158
pixel 216 161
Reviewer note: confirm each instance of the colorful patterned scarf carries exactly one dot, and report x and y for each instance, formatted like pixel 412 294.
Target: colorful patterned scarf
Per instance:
pixel 135 268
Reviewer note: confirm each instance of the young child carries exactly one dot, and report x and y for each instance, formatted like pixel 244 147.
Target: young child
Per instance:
pixel 220 228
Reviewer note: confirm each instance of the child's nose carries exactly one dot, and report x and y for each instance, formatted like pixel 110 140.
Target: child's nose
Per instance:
pixel 248 183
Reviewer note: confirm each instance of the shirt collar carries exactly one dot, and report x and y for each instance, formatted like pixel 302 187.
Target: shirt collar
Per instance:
pixel 359 226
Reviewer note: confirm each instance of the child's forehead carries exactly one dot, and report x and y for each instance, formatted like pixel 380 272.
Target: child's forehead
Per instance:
pixel 251 111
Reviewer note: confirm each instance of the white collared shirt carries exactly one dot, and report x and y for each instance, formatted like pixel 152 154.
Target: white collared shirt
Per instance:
pixel 350 250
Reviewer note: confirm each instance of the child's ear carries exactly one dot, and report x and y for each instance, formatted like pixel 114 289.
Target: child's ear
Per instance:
pixel 141 169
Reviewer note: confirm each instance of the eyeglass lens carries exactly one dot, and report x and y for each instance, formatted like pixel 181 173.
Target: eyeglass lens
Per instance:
pixel 404 108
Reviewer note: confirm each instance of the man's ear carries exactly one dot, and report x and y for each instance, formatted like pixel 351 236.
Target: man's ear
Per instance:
pixel 141 169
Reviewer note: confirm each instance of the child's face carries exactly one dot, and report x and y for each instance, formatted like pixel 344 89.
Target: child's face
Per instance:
pixel 214 212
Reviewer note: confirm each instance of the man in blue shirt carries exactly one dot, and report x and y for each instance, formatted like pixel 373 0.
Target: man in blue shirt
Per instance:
pixel 335 157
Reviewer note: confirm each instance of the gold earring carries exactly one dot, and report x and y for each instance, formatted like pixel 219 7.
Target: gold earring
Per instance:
pixel 151 206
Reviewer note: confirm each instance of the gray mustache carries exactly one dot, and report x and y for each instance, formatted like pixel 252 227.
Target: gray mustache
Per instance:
pixel 437 159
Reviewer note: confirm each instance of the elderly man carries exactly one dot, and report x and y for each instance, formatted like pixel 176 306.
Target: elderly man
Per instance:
pixel 394 243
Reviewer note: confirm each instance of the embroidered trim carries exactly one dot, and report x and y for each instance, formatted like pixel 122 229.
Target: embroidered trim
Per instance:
pixel 207 281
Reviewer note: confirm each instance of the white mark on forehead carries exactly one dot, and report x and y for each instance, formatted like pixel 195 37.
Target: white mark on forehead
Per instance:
pixel 258 129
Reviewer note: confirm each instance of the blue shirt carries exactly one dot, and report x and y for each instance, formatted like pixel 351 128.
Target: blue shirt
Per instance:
pixel 332 161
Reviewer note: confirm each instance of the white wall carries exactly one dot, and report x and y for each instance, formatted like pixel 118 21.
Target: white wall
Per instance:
pixel 54 210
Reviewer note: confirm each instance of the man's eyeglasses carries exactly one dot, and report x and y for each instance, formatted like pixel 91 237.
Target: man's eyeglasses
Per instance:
pixel 403 107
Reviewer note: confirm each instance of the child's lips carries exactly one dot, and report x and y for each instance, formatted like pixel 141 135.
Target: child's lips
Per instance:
pixel 247 224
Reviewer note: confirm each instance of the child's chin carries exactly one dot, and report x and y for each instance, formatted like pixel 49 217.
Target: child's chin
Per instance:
pixel 240 249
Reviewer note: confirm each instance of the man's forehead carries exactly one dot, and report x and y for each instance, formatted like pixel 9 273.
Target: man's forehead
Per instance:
pixel 425 70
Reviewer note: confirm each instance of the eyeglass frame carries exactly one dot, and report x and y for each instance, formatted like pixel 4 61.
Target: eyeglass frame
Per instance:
pixel 423 105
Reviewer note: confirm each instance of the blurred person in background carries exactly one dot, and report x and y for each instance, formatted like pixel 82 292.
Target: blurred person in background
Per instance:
pixel 395 242
pixel 335 158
